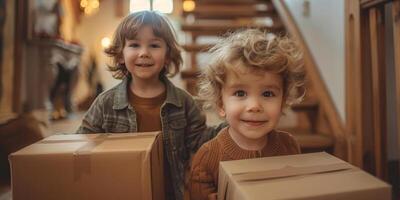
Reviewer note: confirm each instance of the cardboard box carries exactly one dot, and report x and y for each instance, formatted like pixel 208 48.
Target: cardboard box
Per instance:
pixel 92 166
pixel 305 176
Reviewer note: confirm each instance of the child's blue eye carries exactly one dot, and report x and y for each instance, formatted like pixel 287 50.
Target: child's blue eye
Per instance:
pixel 240 93
pixel 268 94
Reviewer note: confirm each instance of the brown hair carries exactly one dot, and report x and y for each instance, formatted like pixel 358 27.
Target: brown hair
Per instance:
pixel 256 51
pixel 129 28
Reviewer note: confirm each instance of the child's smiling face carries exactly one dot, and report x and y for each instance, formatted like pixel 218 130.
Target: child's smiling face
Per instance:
pixel 145 55
pixel 251 103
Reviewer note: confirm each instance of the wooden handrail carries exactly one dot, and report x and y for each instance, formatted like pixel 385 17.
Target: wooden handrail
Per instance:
pixel 321 90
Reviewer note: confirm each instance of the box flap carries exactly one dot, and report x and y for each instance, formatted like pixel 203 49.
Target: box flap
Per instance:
pixel 306 176
pixel 289 171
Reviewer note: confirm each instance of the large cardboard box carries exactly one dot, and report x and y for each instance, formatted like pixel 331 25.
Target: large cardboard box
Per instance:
pixel 305 176
pixel 92 166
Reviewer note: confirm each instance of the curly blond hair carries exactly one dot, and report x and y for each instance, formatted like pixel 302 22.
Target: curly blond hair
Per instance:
pixel 256 51
pixel 129 28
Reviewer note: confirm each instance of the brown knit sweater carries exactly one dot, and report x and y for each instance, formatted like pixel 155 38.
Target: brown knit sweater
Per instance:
pixel 148 119
pixel 203 177
pixel 147 111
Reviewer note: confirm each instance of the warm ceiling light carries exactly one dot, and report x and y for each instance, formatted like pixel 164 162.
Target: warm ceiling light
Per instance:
pixel 84 3
pixel 189 5
pixel 95 4
pixel 105 42
pixel 90 6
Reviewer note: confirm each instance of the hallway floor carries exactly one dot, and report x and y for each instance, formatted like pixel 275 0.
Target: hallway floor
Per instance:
pixel 5 191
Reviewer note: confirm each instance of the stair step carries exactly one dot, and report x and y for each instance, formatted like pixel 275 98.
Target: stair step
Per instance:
pixel 231 2
pixel 219 28
pixel 228 11
pixel 310 141
pixel 314 141
pixel 309 105
pixel 190 74
pixel 197 47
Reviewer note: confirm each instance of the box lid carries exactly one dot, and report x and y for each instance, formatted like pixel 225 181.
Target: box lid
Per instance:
pixel 304 176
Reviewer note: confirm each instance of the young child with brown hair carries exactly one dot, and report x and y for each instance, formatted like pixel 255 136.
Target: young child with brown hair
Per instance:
pixel 144 51
pixel 249 80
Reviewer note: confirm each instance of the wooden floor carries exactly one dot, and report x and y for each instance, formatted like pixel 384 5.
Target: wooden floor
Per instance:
pixel 69 125
pixel 5 191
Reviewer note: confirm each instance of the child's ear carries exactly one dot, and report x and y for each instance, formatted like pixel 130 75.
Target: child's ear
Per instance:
pixel 283 103
pixel 221 110
pixel 121 61
pixel 167 61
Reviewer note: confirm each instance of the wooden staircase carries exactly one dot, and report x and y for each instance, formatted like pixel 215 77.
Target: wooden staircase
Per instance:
pixel 217 17
pixel 312 130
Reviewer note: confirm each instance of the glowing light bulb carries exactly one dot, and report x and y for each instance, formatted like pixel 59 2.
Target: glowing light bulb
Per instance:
pixel 189 5
pixel 105 42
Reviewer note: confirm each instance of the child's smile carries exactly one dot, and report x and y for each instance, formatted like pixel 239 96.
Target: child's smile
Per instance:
pixel 145 55
pixel 144 64
pixel 254 123
pixel 251 104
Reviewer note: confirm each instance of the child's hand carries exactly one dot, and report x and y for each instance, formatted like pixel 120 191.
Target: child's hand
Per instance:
pixel 212 196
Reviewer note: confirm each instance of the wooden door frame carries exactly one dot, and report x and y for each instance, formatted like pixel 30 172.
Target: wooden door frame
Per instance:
pixel 365 85
pixel 354 128
pixel 19 45
pixel 9 61
pixel 377 41
pixel 396 39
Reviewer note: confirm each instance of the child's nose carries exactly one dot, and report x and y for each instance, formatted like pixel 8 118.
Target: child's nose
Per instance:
pixel 254 105
pixel 144 52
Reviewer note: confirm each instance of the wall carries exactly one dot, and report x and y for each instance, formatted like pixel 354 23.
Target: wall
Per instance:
pixel 68 22
pixel 89 32
pixel 323 31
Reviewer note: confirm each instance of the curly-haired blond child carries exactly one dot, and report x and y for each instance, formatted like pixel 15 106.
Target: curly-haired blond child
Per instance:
pixel 144 51
pixel 249 80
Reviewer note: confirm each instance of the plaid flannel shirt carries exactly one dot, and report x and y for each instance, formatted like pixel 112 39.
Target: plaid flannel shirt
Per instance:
pixel 183 125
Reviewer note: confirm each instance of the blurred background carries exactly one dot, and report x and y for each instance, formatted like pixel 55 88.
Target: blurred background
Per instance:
pixel 53 66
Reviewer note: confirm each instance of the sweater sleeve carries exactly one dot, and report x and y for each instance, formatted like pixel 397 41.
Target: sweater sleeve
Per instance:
pixel 93 119
pixel 201 181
